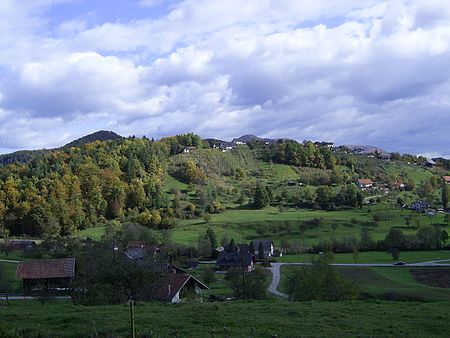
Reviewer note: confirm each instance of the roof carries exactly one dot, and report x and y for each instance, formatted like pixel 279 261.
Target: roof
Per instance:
pixel 173 283
pixel 46 268
pixel 135 244
pixel 365 181
pixel 266 243
pixel 446 178
pixel 141 251
pixel 21 244
pixel 234 259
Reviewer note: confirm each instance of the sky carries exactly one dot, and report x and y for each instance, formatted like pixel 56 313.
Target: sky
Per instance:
pixel 364 72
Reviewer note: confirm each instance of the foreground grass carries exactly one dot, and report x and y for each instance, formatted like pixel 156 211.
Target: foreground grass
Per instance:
pixel 230 319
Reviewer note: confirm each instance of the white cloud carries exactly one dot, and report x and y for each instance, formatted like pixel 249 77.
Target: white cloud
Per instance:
pixel 347 71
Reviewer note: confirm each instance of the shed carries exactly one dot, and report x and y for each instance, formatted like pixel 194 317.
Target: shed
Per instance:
pixel 46 273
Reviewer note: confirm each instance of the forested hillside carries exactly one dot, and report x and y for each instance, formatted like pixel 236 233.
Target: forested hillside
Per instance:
pixel 156 183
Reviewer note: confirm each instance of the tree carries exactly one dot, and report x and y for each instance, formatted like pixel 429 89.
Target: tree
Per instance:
pixel 320 281
pixel 109 279
pixel 207 217
pixel 445 195
pixel 324 196
pixel 247 285
pixel 444 237
pixel 212 238
pixel 366 241
pixel 395 253
pixel 261 198
pixel 208 275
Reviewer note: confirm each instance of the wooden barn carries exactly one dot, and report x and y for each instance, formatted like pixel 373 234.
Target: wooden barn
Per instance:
pixel 46 274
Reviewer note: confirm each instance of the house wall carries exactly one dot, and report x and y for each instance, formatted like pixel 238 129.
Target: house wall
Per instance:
pixel 176 298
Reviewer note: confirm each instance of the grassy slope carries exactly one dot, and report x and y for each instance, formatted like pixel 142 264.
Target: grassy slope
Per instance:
pixel 285 319
pixel 373 257
pixel 376 281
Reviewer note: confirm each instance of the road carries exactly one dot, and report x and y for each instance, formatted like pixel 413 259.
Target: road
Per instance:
pixel 276 273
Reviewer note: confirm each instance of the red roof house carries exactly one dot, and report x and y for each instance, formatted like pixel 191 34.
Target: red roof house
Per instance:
pixel 446 179
pixel 172 287
pixel 365 183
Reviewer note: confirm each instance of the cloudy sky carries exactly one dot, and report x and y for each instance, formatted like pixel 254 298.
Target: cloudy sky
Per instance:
pixel 348 71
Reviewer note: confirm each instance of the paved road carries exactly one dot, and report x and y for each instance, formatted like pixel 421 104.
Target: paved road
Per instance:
pixel 276 274
pixel 8 261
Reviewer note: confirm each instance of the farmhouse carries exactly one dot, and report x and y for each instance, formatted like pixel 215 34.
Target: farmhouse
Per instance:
pixel 365 183
pixel 228 260
pixel 175 287
pixel 46 273
pixel 265 244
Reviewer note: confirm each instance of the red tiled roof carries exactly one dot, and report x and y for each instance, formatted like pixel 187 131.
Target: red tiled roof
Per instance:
pixel 446 178
pixel 46 268
pixel 171 284
pixel 365 181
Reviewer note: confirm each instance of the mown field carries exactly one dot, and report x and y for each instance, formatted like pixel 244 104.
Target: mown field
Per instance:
pixel 229 319
pixel 372 257
pixel 389 283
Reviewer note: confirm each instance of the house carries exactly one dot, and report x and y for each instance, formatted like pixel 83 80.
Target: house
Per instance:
pixel 174 287
pixel 139 250
pixel 446 179
pixel 142 252
pixel 46 273
pixel 228 260
pixel 364 183
pixel 240 143
pixel 324 144
pixel 420 206
pixel 21 245
pixel 266 244
pixel 398 185
pixel 430 163
pixel 188 149
pixel 239 248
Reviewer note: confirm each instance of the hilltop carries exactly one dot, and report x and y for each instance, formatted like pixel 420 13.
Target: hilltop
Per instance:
pixel 24 156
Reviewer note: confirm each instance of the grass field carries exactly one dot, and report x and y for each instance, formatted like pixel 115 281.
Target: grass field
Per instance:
pixel 95 233
pixel 387 282
pixel 241 224
pixel 229 319
pixel 9 271
pixel 372 257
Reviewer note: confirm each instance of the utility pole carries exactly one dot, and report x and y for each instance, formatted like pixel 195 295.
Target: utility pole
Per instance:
pixel 133 328
pixel 243 277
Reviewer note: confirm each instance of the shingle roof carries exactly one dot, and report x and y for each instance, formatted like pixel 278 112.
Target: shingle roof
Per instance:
pixel 266 243
pixel 46 268
pixel 234 259
pixel 446 178
pixel 365 181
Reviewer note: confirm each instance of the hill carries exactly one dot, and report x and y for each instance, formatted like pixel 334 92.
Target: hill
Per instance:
pixel 101 135
pixel 24 156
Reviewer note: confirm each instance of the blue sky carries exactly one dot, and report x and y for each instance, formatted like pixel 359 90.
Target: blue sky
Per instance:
pixel 353 72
